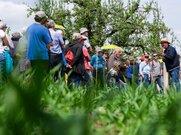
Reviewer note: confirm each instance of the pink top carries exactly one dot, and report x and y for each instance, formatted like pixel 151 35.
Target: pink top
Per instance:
pixel 86 59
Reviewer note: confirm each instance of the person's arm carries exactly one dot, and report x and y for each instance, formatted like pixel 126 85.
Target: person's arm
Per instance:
pixel 92 61
pixel 86 54
pixel 77 55
pixel 5 41
pixel 170 54
pixel 47 38
pixel 60 38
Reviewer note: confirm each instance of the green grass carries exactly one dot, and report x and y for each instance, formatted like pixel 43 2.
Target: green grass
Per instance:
pixel 84 111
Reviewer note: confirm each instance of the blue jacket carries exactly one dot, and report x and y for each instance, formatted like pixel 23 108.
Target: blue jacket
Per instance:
pixel 171 58
pixel 97 62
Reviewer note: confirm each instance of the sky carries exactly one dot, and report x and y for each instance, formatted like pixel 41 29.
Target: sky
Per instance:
pixel 14 13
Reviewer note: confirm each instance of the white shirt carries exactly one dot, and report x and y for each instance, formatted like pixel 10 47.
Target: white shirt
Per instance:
pixel 57 41
pixel 87 43
pixel 144 68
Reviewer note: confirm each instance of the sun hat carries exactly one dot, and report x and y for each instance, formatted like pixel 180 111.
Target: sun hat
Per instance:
pixel 164 40
pixel 98 49
pixel 76 36
pixel 83 30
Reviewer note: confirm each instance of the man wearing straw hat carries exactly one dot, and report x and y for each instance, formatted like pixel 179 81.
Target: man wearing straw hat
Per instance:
pixel 171 59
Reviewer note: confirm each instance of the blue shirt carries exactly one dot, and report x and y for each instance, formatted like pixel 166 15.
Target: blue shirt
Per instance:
pixel 97 61
pixel 38 38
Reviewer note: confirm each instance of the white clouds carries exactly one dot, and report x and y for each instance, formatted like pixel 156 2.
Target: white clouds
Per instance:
pixel 15 15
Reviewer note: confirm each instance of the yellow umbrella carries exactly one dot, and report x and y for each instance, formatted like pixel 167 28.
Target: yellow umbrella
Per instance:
pixel 59 27
pixel 107 47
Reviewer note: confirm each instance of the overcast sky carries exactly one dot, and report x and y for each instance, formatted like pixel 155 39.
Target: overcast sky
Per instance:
pixel 14 13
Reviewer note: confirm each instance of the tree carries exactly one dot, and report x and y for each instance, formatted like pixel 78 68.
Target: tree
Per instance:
pixel 130 25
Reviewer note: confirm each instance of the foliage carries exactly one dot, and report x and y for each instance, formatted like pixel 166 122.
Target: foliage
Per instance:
pixel 83 111
pixel 130 25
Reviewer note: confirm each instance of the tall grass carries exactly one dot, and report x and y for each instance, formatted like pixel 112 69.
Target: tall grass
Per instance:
pixel 85 110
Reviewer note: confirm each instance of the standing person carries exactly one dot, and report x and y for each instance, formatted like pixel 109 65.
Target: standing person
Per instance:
pixel 116 56
pixel 145 71
pixel 56 51
pixel 171 59
pixel 4 46
pixel 88 73
pixel 156 72
pixel 75 58
pixel 15 40
pixel 39 42
pixel 85 32
pixel 21 52
pixel 97 61
pixel 129 71
pixel 106 58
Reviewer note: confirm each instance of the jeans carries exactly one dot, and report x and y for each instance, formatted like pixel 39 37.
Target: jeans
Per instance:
pixel 157 80
pixel 146 80
pixel 174 75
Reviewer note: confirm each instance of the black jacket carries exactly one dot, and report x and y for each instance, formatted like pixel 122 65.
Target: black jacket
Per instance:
pixel 171 58
pixel 78 62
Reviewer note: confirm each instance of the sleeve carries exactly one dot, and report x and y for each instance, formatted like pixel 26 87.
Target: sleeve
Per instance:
pixel 92 60
pixel 77 55
pixel 170 53
pixel 2 34
pixel 140 68
pixel 86 54
pixel 59 36
pixel 46 36
pixel 63 59
pixel 86 43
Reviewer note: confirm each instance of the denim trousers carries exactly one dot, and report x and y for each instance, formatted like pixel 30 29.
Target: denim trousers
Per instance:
pixel 174 78
pixel 146 80
pixel 157 80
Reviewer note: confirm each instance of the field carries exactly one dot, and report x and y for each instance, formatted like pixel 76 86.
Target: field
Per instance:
pixel 83 111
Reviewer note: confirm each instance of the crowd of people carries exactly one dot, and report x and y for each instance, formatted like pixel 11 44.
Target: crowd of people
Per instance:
pixel 41 47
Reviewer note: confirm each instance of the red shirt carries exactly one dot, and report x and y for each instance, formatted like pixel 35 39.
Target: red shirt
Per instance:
pixel 86 58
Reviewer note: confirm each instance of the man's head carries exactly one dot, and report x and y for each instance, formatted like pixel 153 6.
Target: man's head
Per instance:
pixel 41 17
pixel 164 43
pixel 146 58
pixel 51 24
pixel 3 26
pixel 98 51
pixel 155 56
pixel 118 52
pixel 78 37
pixel 84 31
pixel 16 36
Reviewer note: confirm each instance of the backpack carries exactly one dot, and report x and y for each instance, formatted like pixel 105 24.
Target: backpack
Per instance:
pixel 69 56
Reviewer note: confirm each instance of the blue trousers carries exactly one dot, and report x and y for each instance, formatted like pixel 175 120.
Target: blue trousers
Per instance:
pixel 174 78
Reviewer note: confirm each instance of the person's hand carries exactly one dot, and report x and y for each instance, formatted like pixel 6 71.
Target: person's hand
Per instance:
pixel 69 66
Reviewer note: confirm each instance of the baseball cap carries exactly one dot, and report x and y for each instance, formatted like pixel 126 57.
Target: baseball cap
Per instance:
pixel 98 49
pixel 41 14
pixel 83 30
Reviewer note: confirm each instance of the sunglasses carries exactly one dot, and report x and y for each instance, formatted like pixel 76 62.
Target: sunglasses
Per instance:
pixel 155 55
pixel 147 57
